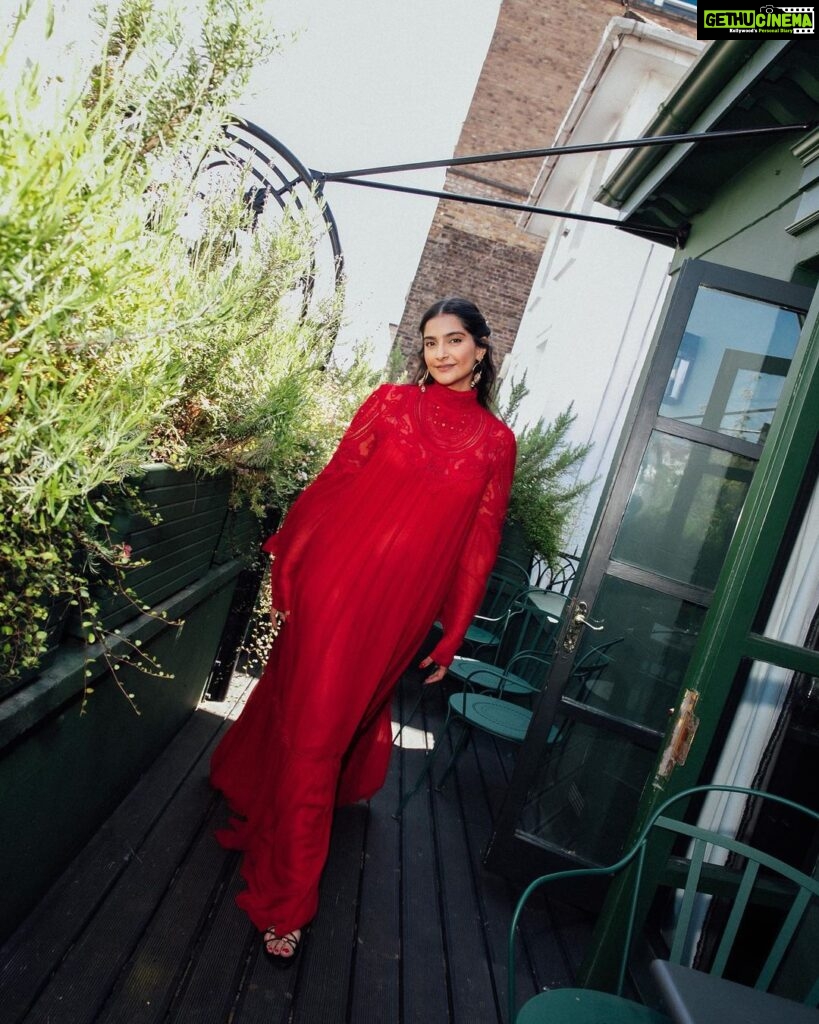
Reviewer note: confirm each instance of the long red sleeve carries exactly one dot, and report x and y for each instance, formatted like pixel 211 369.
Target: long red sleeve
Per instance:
pixel 316 501
pixel 477 558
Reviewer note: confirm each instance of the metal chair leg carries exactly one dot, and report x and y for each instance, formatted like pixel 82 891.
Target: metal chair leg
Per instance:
pixel 458 749
pixel 411 715
pixel 426 768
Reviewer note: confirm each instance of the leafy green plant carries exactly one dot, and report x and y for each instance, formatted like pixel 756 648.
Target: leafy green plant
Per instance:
pixel 544 495
pixel 140 321
pixel 396 370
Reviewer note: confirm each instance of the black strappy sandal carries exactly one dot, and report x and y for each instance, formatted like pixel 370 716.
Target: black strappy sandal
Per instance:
pixel 290 939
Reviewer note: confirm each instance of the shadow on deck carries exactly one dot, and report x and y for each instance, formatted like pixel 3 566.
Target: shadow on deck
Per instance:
pixel 142 927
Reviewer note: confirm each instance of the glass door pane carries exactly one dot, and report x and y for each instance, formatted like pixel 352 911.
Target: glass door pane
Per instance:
pixel 683 509
pixel 585 792
pixel 730 364
pixel 608 728
pixel 667 518
pixel 656 634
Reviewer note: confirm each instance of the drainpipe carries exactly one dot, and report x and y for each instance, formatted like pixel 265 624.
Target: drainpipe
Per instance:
pixel 718 64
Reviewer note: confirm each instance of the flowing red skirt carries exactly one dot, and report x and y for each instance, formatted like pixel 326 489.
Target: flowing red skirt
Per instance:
pixel 315 734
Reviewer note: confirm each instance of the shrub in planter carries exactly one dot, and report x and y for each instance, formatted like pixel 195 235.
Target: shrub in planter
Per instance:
pixel 132 331
pixel 545 490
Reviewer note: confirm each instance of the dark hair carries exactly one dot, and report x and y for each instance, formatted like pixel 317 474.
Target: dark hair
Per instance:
pixel 475 325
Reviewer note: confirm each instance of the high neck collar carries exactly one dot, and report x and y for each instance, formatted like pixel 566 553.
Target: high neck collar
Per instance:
pixel 449 399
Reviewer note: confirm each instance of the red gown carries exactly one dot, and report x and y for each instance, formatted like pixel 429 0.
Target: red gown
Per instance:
pixel 400 529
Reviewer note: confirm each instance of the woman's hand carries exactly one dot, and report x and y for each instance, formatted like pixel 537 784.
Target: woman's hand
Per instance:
pixel 278 619
pixel 437 675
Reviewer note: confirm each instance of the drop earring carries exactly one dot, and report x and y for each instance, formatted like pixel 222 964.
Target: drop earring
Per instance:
pixel 422 383
pixel 476 374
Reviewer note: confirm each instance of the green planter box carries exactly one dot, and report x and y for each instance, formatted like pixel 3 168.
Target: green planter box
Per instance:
pixel 241 537
pixel 514 545
pixel 179 549
pixel 62 773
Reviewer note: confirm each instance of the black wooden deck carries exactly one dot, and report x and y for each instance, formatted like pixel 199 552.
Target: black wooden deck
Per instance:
pixel 142 928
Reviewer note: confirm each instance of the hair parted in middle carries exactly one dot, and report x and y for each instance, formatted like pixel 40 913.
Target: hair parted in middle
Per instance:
pixel 475 325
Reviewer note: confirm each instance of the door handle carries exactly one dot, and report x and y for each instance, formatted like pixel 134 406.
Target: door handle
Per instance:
pixel 578 623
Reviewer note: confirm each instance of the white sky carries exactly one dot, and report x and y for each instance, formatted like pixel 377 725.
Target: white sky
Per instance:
pixel 367 83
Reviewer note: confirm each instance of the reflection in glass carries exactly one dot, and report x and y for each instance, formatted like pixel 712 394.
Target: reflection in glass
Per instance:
pixel 656 634
pixel 683 510
pixel 731 364
pixel 585 794
pixel 779 745
pixel 753 394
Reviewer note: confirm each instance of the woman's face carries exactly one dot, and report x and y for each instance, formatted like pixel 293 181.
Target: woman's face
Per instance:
pixel 450 351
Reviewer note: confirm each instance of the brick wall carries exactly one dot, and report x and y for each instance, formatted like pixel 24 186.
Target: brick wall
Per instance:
pixel 538 56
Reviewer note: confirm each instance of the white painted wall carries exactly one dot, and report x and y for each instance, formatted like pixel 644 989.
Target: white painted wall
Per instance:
pixel 594 305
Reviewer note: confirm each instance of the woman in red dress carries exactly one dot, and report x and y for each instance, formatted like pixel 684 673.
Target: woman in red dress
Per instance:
pixel 399 530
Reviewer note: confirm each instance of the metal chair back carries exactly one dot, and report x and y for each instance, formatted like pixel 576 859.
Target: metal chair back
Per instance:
pixel 743 877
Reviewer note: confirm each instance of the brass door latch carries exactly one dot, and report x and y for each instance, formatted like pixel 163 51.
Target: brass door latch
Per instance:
pixel 578 623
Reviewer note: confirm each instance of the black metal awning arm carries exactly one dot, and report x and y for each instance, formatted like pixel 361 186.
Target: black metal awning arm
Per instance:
pixel 676 236
pixel 591 147
pixel 666 234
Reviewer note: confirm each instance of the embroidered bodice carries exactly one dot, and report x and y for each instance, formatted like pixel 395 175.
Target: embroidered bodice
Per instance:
pixel 421 481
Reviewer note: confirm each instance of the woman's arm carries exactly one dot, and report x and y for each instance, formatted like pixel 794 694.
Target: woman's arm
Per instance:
pixel 477 557
pixel 315 501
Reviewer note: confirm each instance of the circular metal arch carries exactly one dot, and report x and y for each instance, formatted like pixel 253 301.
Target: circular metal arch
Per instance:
pixel 283 178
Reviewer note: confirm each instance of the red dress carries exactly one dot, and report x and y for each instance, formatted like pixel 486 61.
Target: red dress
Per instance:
pixel 400 529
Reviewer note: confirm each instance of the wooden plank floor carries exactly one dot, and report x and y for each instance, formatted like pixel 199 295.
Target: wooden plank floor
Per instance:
pixel 142 927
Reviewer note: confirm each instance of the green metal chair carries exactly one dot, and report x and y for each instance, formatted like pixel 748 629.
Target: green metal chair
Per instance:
pixel 750 877
pixel 505 586
pixel 518 679
pixel 499 715
pixel 532 617
pixel 511 569
pixel 504 718
pixel 531 625
pixel 558 575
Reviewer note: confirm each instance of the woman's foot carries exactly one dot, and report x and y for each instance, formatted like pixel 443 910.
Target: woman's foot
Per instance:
pixel 282 950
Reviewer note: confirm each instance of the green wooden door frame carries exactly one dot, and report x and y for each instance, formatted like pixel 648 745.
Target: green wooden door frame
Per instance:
pixel 728 636
pixel 512 850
